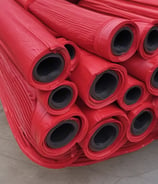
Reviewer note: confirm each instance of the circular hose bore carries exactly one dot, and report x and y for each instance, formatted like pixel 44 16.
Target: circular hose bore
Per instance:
pixel 48 68
pixel 60 97
pixel 71 50
pixel 151 40
pixel 141 122
pixel 104 137
pixel 154 78
pixel 104 85
pixel 132 95
pixel 62 134
pixel 122 41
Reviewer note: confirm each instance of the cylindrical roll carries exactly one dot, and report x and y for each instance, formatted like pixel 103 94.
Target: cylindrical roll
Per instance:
pixel 144 70
pixel 60 99
pixel 113 38
pixel 107 131
pixel 55 135
pixel 36 53
pixel 19 101
pixel 99 82
pixel 143 120
pixel 133 94
pixel 148 28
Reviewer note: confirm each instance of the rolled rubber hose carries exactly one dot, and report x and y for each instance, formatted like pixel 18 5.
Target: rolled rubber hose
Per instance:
pixel 107 131
pixel 73 50
pixel 144 70
pixel 148 46
pixel 39 57
pixel 134 94
pixel 60 99
pixel 143 120
pixel 25 116
pixel 107 30
pixel 99 82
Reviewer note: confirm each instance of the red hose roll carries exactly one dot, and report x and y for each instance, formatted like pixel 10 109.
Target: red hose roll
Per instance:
pixel 39 57
pixel 73 51
pixel 144 70
pixel 19 101
pixel 107 130
pixel 143 120
pixel 148 28
pixel 55 135
pixel 134 94
pixel 101 34
pixel 150 3
pixel 60 99
pixel 99 82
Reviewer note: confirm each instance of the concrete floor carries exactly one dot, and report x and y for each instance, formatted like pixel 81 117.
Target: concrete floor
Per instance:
pixel 140 167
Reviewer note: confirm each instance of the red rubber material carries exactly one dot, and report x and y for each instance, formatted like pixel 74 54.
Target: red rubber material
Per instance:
pixel 30 122
pixel 133 94
pixel 89 68
pixel 30 34
pixel 142 122
pixel 98 118
pixel 144 24
pixel 60 99
pixel 73 50
pixel 144 71
pixel 96 31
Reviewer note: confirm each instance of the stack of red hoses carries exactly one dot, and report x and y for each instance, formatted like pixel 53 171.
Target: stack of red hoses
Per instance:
pixel 79 78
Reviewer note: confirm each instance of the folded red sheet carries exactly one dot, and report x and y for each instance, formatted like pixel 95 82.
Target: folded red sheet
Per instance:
pixel 148 28
pixel 101 34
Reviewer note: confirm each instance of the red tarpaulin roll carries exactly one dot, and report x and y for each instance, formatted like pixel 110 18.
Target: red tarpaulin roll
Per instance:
pixel 99 82
pixel 21 105
pixel 39 57
pixel 144 70
pixel 60 99
pixel 106 133
pixel 143 120
pixel 134 94
pixel 101 34
pixel 148 28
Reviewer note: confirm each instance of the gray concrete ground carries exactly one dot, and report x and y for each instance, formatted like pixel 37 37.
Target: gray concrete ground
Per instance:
pixel 140 167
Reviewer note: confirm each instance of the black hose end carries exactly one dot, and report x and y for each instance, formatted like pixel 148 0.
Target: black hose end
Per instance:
pixel 132 95
pixel 62 134
pixel 60 97
pixel 122 41
pixel 154 78
pixel 141 122
pixel 151 40
pixel 104 85
pixel 71 50
pixel 48 68
pixel 104 137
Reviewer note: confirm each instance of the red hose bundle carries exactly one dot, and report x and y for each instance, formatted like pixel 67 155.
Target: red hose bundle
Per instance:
pixel 33 127
pixel 148 28
pixel 99 82
pixel 144 70
pixel 101 34
pixel 60 99
pixel 106 133
pixel 133 94
pixel 143 120
pixel 39 57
